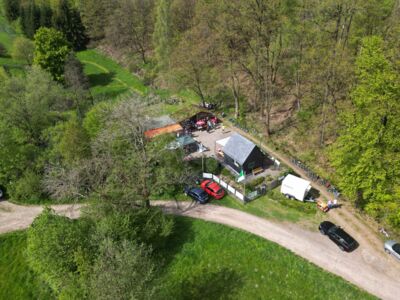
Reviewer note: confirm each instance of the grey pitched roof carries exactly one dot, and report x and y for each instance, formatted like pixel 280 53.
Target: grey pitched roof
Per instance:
pixel 238 148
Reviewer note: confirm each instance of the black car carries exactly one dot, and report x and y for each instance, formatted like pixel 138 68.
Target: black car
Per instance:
pixel 197 194
pixel 338 236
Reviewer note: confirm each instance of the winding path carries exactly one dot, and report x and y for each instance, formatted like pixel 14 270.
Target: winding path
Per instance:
pixel 365 267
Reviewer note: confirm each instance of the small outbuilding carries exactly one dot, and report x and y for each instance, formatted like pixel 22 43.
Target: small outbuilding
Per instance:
pixel 186 143
pixel 241 154
pixel 295 187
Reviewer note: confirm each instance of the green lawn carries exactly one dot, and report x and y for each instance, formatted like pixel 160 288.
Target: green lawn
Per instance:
pixel 7 33
pixel 7 36
pixel 108 78
pixel 203 260
pixel 275 206
pixel 211 261
pixel 16 281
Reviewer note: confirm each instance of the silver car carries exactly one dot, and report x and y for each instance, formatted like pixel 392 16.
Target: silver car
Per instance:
pixel 393 247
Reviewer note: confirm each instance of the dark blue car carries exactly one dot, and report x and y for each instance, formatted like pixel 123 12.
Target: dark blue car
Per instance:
pixel 197 194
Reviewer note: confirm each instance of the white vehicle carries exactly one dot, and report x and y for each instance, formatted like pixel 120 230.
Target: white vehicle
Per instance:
pixel 294 187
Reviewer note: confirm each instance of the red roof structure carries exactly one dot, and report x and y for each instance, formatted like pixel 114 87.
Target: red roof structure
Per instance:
pixel 162 130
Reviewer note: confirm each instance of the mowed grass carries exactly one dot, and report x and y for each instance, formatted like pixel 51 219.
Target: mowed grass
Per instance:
pixel 202 260
pixel 7 36
pixel 7 33
pixel 212 261
pixel 107 78
pixel 16 281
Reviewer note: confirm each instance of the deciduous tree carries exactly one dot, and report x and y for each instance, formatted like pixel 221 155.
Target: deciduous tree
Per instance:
pixel 366 153
pixel 131 26
pixel 51 51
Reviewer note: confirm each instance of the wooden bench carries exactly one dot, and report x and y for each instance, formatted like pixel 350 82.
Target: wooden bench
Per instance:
pixel 257 170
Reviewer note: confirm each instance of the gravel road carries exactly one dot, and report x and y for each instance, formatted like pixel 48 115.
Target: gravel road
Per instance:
pixel 365 267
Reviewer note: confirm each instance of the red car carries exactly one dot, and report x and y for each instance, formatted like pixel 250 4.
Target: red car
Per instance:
pixel 212 188
pixel 202 123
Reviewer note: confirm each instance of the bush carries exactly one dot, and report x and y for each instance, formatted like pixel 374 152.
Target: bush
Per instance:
pixel 226 173
pixel 28 188
pixel 144 225
pixel 256 182
pixel 3 74
pixel 59 250
pixel 3 50
pixel 22 50
pixel 212 166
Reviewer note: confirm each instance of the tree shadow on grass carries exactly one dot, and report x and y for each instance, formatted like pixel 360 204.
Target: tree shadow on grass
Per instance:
pixel 182 234
pixel 102 79
pixel 210 284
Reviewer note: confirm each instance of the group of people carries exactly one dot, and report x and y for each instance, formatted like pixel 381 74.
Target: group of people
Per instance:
pixel 332 204
pixel 325 207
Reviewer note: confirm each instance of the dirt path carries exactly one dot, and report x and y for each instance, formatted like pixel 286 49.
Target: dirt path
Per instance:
pixel 15 217
pixel 373 273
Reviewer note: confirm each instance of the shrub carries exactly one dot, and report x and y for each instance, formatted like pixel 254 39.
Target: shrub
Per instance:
pixel 212 166
pixel 256 182
pixel 22 50
pixel 28 188
pixel 3 50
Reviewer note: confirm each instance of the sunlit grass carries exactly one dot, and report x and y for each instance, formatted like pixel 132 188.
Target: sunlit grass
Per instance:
pixel 16 280
pixel 211 261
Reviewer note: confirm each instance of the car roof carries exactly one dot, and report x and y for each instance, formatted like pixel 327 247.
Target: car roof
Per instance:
pixel 344 235
pixel 213 185
pixel 198 191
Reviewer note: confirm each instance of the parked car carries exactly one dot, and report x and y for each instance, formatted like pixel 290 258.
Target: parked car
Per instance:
pixel 202 123
pixel 213 189
pixel 393 247
pixel 197 194
pixel 338 236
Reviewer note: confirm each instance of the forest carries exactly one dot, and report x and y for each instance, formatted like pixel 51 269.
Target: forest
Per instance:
pixel 320 80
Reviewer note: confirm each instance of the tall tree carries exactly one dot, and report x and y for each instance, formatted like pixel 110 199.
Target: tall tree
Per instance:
pixel 12 9
pixel 30 18
pixel 366 154
pixel 51 51
pixel 259 27
pixel 194 59
pixel 67 19
pixel 162 37
pixel 131 26
pixel 95 15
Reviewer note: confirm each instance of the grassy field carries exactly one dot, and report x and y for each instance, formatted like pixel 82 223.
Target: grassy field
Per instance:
pixel 203 261
pixel 275 206
pixel 7 36
pixel 210 261
pixel 16 281
pixel 108 78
